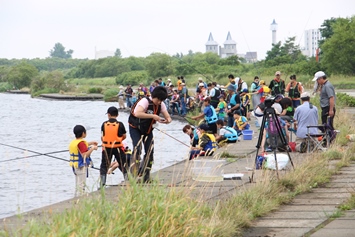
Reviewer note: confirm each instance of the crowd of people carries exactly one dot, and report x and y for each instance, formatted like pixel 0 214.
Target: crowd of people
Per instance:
pixel 225 111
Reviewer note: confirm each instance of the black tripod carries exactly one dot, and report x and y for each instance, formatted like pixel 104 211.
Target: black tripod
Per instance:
pixel 274 134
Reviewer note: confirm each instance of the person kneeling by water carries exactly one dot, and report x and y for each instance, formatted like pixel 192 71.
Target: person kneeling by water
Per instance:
pixel 206 143
pixel 226 134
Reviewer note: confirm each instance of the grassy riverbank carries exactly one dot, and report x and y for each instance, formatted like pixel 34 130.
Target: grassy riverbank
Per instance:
pixel 161 211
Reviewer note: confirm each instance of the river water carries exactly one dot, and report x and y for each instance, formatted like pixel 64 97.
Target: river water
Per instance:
pixel 46 126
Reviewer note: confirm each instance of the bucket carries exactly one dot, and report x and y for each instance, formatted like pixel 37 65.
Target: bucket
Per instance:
pixel 207 170
pixel 247 134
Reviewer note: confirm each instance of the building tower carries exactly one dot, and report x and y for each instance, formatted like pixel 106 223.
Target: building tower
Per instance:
pixel 230 47
pixel 273 28
pixel 311 39
pixel 211 45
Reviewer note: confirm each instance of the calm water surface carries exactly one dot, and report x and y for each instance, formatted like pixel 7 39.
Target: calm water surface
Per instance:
pixel 46 126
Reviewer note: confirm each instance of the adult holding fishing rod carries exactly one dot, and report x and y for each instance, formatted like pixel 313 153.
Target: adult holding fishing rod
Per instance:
pixel 144 113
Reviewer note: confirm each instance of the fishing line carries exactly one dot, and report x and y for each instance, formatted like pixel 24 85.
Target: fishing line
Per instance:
pixel 44 154
pixel 172 137
pixel 40 154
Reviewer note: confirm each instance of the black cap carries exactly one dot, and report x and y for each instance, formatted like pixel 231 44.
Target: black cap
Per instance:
pixel 237 111
pixel 113 111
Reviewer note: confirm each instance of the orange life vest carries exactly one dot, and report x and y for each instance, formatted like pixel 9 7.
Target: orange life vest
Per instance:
pixel 110 138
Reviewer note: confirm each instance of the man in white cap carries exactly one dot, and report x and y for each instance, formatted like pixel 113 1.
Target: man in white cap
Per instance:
pixel 200 82
pixel 169 82
pixel 327 97
pixel 277 85
pixel 305 115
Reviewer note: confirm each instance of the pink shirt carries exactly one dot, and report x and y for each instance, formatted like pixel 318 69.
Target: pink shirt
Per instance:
pixel 145 103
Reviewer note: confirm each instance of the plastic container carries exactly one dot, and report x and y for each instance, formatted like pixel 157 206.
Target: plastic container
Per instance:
pixel 247 134
pixel 207 170
pixel 282 161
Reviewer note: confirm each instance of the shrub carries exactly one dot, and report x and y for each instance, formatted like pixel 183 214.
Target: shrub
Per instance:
pixel 95 90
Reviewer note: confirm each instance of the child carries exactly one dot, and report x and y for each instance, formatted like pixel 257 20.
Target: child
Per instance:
pixel 226 134
pixel 221 107
pixel 193 134
pixel 114 165
pixel 134 97
pixel 240 122
pixel 245 97
pixel 113 133
pixel 80 160
pixel 206 143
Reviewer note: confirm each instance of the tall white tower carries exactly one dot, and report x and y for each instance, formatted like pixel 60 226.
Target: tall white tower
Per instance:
pixel 273 28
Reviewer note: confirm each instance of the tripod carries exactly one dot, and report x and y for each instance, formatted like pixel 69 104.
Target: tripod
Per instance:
pixel 274 133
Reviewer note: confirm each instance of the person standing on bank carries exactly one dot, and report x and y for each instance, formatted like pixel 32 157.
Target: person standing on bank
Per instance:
pixel 277 85
pixel 143 115
pixel 327 97
pixel 233 102
pixel 255 96
pixel 294 90
pixel 80 152
pixel 113 133
pixel 128 92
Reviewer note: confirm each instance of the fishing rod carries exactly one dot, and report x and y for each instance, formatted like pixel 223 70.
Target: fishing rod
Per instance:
pixel 40 154
pixel 172 137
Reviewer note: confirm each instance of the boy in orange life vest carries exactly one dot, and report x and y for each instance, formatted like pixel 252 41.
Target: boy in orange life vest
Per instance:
pixel 113 133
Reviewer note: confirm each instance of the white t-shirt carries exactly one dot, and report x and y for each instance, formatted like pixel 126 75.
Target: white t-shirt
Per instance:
pixel 145 103
pixel 277 107
pixel 223 131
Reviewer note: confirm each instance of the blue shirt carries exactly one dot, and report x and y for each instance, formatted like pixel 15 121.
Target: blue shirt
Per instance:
pixel 306 116
pixel 208 111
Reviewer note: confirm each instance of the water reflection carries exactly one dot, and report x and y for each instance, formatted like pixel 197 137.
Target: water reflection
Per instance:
pixel 46 126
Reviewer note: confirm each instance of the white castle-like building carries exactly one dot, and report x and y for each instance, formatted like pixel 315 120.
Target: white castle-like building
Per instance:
pixel 229 49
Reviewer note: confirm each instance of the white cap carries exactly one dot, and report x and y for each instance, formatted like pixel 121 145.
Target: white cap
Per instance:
pixel 200 79
pixel 318 75
pixel 201 84
pixel 305 95
pixel 169 79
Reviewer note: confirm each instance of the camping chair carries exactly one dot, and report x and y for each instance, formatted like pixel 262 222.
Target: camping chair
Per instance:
pixel 317 141
pixel 322 140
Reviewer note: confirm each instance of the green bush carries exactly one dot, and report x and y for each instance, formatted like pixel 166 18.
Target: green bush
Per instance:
pixel 4 86
pixel 109 94
pixel 95 90
pixel 44 91
pixel 345 100
pixel 133 78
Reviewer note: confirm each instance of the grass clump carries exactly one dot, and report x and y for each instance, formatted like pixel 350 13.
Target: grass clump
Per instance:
pixel 140 211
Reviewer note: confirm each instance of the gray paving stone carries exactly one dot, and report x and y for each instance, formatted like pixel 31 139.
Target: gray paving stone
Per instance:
pixel 289 223
pixel 275 232
pixel 319 202
pixel 334 233
pixel 308 208
pixel 291 214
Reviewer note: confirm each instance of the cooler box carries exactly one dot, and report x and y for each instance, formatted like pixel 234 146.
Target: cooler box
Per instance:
pixel 247 134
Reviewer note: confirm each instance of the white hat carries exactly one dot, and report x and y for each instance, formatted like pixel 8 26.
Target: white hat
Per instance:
pixel 305 95
pixel 201 84
pixel 277 73
pixel 318 75
pixel 121 87
pixel 200 79
pixel 182 84
pixel 169 79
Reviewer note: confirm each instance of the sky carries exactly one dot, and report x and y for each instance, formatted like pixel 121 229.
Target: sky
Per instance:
pixel 30 28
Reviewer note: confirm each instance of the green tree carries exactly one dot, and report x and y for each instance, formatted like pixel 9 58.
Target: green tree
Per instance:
pixel 58 51
pixel 49 82
pixel 118 53
pixel 159 65
pixel 21 75
pixel 338 51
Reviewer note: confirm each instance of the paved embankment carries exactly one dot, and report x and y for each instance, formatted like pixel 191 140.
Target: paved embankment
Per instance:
pixel 303 216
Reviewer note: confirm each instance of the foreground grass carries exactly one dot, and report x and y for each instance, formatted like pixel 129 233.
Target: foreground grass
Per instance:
pixel 160 211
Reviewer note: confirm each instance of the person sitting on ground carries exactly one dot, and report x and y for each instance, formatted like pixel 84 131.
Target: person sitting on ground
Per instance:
pixel 206 143
pixel 210 116
pixel 226 134
pixel 221 108
pixel 192 133
pixel 305 115
pixel 240 122
pixel 114 165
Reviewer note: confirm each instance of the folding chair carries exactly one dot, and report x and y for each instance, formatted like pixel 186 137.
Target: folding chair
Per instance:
pixel 317 141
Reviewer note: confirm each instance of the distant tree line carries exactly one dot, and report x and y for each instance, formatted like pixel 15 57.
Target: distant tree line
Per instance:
pixel 337 57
